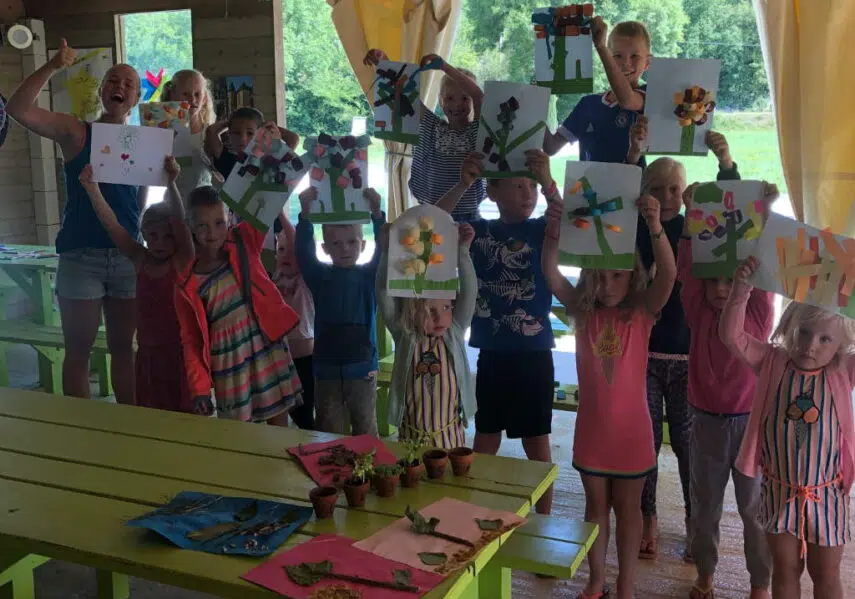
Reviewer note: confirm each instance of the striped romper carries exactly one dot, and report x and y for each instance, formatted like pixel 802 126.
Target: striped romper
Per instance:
pixel 433 402
pixel 254 380
pixel 802 493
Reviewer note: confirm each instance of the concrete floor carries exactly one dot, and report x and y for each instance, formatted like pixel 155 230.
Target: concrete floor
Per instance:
pixel 667 577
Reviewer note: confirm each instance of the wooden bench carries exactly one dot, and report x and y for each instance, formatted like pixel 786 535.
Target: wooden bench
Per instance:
pixel 548 545
pixel 49 342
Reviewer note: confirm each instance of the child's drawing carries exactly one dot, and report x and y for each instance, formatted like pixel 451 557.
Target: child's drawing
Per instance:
pixel 513 120
pixel 130 155
pixel 725 222
pixel 75 90
pixel 806 264
pixel 680 101
pixel 261 180
pixel 563 48
pixel 166 115
pixel 339 171
pixel 423 254
pixel 396 107
pixel 600 216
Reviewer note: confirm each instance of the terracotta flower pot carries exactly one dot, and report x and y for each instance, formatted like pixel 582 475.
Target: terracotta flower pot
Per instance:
pixel 412 474
pixel 356 492
pixel 385 485
pixel 323 500
pixel 435 461
pixel 461 460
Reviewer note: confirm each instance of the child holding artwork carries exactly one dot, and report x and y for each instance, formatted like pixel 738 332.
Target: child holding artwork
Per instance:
pixel 301 339
pixel 601 122
pixel 233 321
pixel 191 86
pixel 443 144
pixel 431 333
pixel 345 358
pixel 511 325
pixel 613 447
pixel 800 436
pixel 168 249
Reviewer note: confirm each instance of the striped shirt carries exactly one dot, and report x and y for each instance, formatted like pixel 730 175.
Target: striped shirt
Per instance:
pixel 801 451
pixel 436 165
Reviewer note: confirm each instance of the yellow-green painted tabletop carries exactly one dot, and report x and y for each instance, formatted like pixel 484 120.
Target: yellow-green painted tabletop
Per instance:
pixel 72 471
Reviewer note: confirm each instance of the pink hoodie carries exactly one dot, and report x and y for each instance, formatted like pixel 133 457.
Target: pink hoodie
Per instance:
pixel 719 382
pixel 769 362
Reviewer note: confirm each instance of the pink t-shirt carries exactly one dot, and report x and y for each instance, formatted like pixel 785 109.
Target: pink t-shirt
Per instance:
pixel 614 434
pixel 719 382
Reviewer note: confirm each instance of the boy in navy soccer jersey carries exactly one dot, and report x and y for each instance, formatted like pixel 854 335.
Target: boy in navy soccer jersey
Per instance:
pixel 601 123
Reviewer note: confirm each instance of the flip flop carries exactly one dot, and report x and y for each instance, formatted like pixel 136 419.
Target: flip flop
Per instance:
pixel 649 549
pixel 699 593
pixel 604 593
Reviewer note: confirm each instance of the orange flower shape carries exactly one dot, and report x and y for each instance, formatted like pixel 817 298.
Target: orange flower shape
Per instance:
pixel 436 239
pixel 436 259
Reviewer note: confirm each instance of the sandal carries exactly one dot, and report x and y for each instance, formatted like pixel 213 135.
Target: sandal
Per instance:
pixel 649 548
pixel 699 593
pixel 604 593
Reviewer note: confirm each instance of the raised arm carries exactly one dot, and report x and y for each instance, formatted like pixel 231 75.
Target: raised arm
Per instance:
pixel 656 296
pixel 470 171
pixel 566 133
pixel 185 249
pixel 717 143
pixel 731 327
pixel 214 138
pixel 461 79
pixel 627 97
pixel 129 246
pixel 304 241
pixel 64 129
pixel 691 288
pixel 637 140
pixel 464 307
pixel 378 219
pixel 386 304
pixel 557 282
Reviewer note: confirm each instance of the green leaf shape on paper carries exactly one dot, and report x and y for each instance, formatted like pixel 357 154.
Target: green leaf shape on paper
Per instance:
pixel 419 524
pixel 433 559
pixel 489 524
pixel 308 573
pixel 402 577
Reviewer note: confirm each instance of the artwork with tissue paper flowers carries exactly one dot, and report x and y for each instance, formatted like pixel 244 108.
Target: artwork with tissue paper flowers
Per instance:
pixel 338 169
pixel 681 98
pixel 423 254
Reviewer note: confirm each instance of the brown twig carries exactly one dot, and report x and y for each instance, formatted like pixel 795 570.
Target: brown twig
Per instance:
pixel 380 584
pixel 303 452
pixel 452 538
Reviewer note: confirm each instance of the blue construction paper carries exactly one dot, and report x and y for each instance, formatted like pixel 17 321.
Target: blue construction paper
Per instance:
pixel 259 527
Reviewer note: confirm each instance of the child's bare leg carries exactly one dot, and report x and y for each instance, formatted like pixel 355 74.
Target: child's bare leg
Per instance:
pixel 487 443
pixel 539 450
pixel 626 499
pixel 597 507
pixel 787 566
pixel 279 420
pixel 823 565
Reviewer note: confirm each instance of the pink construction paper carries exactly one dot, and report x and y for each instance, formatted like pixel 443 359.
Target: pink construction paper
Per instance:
pixel 346 559
pixel 326 475
pixel 398 542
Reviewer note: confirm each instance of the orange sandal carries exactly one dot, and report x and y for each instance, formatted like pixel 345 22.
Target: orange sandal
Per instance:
pixel 604 593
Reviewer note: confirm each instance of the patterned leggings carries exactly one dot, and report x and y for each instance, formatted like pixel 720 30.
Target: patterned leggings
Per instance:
pixel 667 385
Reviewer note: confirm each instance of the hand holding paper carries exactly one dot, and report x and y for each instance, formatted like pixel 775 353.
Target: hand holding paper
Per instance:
pixel 745 271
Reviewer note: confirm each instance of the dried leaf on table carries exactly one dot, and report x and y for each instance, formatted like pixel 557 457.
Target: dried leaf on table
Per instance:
pixel 489 524
pixel 420 524
pixel 433 559
pixel 307 574
pixel 212 532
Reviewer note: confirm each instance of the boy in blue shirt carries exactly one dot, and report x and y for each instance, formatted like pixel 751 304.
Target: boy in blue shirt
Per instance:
pixel 345 357
pixel 515 378
pixel 601 123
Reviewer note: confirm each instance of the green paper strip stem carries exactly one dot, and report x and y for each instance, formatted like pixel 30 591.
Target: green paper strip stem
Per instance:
pixel 687 140
pixel 427 285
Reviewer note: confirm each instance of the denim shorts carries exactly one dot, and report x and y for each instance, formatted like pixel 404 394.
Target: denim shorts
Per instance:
pixel 92 273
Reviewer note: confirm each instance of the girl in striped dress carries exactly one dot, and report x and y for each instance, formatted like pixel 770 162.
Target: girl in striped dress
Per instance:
pixel 234 321
pixel 431 392
pixel 800 436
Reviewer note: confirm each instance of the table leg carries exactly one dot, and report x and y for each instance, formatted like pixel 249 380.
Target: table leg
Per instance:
pixel 112 585
pixel 50 369
pixel 102 366
pixel 383 428
pixel 494 582
pixel 16 581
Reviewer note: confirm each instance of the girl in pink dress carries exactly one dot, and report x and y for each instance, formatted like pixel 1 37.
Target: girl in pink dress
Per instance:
pixel 613 447
pixel 160 379
pixel 800 436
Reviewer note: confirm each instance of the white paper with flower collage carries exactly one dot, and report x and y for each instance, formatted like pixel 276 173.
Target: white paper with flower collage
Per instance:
pixel 423 246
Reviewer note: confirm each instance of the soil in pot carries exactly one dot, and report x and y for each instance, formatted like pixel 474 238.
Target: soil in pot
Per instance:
pixel 412 474
pixel 323 500
pixel 356 491
pixel 435 461
pixel 385 485
pixel 461 460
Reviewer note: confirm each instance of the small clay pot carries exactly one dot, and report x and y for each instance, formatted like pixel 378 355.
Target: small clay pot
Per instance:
pixel 385 485
pixel 323 500
pixel 435 461
pixel 356 492
pixel 412 474
pixel 461 460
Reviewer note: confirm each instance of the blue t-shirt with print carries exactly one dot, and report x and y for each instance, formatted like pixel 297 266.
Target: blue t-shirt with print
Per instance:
pixel 512 311
pixel 602 128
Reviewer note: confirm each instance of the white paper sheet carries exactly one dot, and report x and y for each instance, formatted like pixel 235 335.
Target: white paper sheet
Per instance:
pixel 396 101
pixel 338 169
pixel 130 155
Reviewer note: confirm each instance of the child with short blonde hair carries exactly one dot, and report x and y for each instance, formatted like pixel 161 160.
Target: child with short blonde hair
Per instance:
pixel 800 436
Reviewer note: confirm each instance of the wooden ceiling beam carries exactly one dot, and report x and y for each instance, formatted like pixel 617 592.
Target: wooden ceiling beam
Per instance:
pixel 48 9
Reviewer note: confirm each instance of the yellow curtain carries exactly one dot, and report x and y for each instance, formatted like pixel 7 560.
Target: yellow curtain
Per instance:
pixel 809 61
pixel 406 30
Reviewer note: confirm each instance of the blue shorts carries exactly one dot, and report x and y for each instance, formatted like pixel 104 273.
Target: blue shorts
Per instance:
pixel 93 273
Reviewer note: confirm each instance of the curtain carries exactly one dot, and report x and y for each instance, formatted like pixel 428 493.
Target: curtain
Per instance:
pixel 406 30
pixel 809 62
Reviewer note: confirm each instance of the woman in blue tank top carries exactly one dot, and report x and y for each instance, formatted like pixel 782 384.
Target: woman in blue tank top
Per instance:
pixel 92 274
